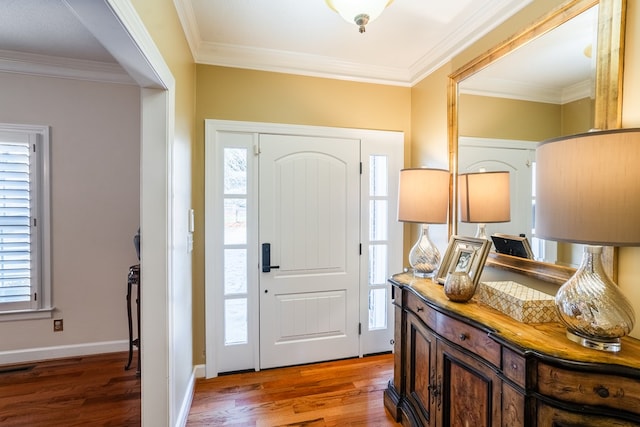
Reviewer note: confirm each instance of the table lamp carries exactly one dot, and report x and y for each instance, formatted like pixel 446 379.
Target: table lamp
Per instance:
pixel 484 198
pixel 588 191
pixel 423 198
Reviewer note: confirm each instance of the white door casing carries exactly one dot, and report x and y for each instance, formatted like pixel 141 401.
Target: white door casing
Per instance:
pixel 372 304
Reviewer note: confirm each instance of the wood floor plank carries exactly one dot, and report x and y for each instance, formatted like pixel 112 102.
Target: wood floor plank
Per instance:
pixel 78 391
pixel 97 391
pixel 339 393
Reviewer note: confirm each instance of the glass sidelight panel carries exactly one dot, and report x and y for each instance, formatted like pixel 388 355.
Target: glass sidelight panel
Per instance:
pixel 235 251
pixel 378 240
pixel 235 321
pixel 235 221
pixel 378 308
pixel 235 271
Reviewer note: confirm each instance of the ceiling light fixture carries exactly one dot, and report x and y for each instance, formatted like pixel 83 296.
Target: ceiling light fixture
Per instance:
pixel 359 11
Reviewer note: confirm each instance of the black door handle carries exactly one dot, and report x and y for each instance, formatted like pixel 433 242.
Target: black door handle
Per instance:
pixel 266 258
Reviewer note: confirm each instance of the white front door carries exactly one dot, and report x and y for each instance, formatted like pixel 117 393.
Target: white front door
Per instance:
pixel 325 200
pixel 309 235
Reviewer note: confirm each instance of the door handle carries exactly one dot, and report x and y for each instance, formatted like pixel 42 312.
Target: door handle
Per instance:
pixel 266 258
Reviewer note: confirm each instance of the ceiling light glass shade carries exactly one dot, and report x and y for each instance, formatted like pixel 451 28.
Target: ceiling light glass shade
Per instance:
pixel 588 191
pixel 360 12
pixel 424 199
pixel 484 198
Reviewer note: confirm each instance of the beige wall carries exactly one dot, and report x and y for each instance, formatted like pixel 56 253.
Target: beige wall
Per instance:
pixel 246 95
pixel 95 193
pixel 487 117
pixel 484 117
pixel 578 116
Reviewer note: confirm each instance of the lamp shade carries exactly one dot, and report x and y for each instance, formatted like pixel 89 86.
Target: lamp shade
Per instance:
pixel 423 196
pixel 484 197
pixel 588 188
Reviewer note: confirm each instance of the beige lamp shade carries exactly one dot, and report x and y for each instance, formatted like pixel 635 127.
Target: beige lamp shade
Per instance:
pixel 423 196
pixel 588 188
pixel 484 197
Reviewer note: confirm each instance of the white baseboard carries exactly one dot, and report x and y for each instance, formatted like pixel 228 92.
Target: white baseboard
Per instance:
pixel 188 399
pixel 57 352
pixel 200 371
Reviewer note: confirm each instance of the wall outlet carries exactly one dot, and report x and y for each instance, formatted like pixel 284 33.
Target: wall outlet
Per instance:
pixel 57 325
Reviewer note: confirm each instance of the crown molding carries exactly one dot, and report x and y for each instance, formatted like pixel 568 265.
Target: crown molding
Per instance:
pixel 320 66
pixel 296 63
pixel 49 66
pixel 498 88
pixel 473 29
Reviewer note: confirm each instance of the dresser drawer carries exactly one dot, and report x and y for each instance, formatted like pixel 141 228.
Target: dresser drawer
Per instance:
pixel 468 337
pixel 421 310
pixel 514 367
pixel 589 388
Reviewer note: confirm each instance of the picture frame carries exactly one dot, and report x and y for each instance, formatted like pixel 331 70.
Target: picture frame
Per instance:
pixel 466 254
pixel 517 246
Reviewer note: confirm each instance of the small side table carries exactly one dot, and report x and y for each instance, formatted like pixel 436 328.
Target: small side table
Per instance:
pixel 133 279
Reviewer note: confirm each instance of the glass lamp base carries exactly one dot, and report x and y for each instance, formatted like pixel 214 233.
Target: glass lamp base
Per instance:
pixel 481 232
pixel 592 307
pixel 423 274
pixel 424 257
pixel 612 345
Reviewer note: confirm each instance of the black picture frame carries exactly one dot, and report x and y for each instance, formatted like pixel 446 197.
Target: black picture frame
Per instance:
pixel 517 246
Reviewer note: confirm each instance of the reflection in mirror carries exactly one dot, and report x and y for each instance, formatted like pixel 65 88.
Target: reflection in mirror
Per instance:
pixel 521 92
pixel 541 90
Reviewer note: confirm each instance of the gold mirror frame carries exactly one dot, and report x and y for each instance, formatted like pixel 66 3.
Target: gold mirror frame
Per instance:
pixel 608 110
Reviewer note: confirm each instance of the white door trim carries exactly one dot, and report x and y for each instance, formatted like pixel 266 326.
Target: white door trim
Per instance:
pixel 211 127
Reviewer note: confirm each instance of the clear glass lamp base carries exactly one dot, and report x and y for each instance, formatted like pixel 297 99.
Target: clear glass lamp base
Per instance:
pixel 481 232
pixel 424 257
pixel 592 307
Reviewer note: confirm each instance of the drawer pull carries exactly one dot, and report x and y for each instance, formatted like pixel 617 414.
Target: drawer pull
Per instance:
pixel 602 391
pixel 463 336
pixel 419 309
pixel 514 366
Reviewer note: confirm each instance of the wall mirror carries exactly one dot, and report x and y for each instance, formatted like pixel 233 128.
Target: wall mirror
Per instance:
pixel 560 76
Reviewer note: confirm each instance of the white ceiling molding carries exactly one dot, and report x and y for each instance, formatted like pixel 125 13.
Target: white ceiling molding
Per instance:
pixel 296 63
pixel 464 36
pixel 189 25
pixel 44 65
pixel 460 37
pixel 498 88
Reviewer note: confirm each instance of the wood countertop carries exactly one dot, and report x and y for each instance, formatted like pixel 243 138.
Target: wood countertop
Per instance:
pixel 542 339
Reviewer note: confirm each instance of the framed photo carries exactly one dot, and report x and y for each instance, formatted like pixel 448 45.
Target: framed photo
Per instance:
pixel 512 245
pixel 466 254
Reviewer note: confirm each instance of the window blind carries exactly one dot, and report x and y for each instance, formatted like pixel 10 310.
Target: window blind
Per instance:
pixel 15 218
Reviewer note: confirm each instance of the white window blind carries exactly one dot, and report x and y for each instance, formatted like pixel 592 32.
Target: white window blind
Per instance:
pixel 24 222
pixel 15 222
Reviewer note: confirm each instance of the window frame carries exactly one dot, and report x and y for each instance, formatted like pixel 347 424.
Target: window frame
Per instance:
pixel 41 306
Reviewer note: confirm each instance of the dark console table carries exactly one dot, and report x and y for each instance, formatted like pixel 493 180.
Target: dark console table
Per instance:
pixel 133 279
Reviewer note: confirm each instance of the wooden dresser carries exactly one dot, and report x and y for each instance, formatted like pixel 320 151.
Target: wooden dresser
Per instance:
pixel 466 364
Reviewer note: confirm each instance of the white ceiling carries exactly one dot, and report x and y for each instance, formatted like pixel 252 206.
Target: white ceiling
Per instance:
pixel 408 41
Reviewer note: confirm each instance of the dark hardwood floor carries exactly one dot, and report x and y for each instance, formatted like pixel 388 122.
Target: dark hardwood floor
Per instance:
pixel 79 391
pixel 97 391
